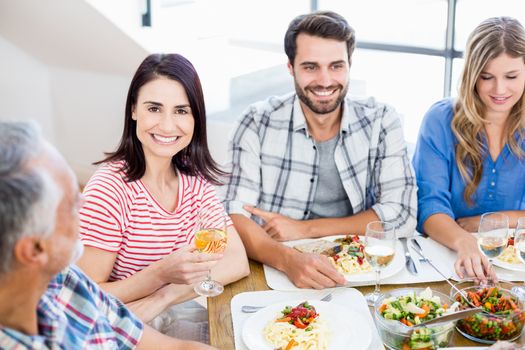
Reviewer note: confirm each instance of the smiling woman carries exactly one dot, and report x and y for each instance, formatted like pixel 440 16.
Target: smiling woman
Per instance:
pixel 163 129
pixel 469 158
pixel 139 218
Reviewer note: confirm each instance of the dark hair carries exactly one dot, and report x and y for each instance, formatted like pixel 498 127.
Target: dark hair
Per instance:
pixel 325 24
pixel 193 160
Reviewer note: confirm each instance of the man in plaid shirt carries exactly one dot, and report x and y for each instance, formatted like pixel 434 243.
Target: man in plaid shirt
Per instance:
pixel 46 303
pixel 314 163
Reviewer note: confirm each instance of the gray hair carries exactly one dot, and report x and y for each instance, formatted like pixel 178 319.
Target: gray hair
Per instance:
pixel 29 197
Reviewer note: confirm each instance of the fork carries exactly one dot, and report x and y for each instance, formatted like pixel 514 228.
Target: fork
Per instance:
pixel 252 308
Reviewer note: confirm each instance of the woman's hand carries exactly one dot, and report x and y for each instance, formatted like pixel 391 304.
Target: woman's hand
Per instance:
pixel 471 261
pixel 186 266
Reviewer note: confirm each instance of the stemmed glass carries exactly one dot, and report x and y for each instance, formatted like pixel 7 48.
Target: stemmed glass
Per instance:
pixel 493 234
pixel 519 239
pixel 210 237
pixel 380 242
pixel 519 247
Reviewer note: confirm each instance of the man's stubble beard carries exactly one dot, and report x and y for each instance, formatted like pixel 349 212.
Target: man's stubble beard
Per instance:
pixel 323 108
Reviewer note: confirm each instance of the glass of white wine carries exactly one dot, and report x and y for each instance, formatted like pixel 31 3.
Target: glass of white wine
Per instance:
pixel 519 239
pixel 210 237
pixel 380 243
pixel 519 247
pixel 493 234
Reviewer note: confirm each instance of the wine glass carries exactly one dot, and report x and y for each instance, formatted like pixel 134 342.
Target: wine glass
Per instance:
pixel 380 242
pixel 519 239
pixel 210 237
pixel 519 247
pixel 493 234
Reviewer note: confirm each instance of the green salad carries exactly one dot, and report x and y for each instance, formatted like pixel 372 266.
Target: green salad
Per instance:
pixel 411 310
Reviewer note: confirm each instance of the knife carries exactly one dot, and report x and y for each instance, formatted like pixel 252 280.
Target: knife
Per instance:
pixel 409 263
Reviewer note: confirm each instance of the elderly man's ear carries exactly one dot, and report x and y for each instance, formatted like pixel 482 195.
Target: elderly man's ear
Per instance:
pixel 29 252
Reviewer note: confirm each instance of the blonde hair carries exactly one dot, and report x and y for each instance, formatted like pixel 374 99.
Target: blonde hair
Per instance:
pixel 490 39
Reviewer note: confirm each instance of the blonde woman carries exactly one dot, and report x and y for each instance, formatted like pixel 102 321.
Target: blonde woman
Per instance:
pixel 469 157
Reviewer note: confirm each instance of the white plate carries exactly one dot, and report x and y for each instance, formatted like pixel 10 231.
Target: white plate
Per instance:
pixel 397 264
pixel 508 266
pixel 349 330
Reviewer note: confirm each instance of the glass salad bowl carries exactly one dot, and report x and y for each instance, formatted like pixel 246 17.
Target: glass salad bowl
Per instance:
pixel 503 313
pixel 398 310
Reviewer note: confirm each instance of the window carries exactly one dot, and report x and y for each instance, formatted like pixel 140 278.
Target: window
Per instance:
pixel 416 22
pixel 410 83
pixel 403 57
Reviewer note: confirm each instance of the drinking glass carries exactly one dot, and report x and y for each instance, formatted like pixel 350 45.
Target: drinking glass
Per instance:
pixel 380 242
pixel 210 237
pixel 519 239
pixel 493 234
pixel 519 247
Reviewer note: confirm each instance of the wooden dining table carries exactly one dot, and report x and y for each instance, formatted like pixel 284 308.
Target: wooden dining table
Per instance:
pixel 220 319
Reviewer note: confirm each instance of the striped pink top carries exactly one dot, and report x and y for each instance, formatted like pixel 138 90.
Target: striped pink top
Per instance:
pixel 123 217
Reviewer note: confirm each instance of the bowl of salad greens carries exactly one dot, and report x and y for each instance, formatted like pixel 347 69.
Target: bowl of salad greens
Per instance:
pixel 503 314
pixel 398 312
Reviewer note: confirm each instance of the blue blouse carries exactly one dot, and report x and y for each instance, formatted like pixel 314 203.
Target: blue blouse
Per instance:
pixel 440 184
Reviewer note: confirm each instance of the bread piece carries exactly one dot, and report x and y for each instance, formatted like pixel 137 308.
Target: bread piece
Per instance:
pixel 320 246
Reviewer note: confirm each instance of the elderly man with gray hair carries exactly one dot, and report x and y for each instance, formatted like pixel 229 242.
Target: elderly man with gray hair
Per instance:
pixel 45 301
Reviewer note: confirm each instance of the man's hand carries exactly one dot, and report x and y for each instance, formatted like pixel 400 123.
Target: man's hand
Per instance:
pixel 186 266
pixel 279 227
pixel 469 223
pixel 471 261
pixel 307 270
pixel 505 345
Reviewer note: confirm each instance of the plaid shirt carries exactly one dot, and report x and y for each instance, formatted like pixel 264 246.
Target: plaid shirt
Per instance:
pixel 74 313
pixel 274 163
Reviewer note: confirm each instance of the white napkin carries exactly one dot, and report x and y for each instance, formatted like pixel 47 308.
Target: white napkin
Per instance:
pixel 349 297
pixel 445 258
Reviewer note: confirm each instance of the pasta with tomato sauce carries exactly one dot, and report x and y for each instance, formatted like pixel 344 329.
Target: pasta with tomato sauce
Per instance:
pixel 298 328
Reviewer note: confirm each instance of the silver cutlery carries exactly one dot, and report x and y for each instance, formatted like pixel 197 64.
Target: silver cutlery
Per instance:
pixel 419 250
pixel 450 317
pixel 445 318
pixel 409 262
pixel 252 308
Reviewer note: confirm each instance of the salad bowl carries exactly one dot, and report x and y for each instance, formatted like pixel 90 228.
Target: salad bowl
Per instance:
pixel 397 311
pixel 502 317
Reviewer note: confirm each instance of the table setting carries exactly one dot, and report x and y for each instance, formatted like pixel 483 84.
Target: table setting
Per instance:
pixel 399 273
pixel 416 266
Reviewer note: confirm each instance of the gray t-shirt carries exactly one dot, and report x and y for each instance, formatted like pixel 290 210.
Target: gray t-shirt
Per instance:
pixel 330 200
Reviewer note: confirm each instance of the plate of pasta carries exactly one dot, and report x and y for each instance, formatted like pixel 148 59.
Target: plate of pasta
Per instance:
pixel 306 325
pixel 347 255
pixel 509 260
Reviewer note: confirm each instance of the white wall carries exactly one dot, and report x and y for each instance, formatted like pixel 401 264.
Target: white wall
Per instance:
pixel 80 112
pixel 89 115
pixel 68 67
pixel 24 88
